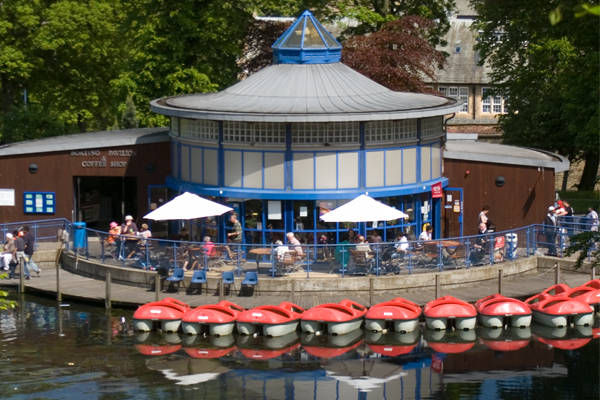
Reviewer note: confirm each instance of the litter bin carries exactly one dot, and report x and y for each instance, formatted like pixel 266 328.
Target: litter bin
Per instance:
pixel 80 236
pixel 511 245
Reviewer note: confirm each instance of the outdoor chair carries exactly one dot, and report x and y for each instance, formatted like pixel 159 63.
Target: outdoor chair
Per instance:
pixel 199 278
pixel 178 258
pixel 228 279
pixel 287 264
pixel 251 279
pixel 459 256
pixel 430 256
pixel 362 263
pixel 178 276
pixel 215 259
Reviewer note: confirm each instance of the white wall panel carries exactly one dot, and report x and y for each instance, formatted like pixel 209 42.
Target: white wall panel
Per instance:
pixel 253 169
pixel 374 168
pixel 326 171
pixel 425 163
pixel 274 170
pixel 409 166
pixel 348 170
pixel 210 167
pixel 436 161
pixel 185 163
pixel 303 175
pixel 197 164
pixel 393 167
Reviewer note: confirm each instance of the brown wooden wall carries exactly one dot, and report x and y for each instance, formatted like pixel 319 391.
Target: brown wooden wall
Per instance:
pixel 56 171
pixel 523 200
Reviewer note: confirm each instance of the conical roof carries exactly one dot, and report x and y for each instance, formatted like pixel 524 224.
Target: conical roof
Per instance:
pixel 306 42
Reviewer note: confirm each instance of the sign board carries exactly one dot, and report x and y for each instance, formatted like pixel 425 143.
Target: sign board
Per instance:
pixel 7 197
pixel 39 202
pixel 456 206
pixel 499 249
pixel 436 191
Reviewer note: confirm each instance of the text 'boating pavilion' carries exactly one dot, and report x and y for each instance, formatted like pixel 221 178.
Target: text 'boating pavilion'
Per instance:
pixel 305 135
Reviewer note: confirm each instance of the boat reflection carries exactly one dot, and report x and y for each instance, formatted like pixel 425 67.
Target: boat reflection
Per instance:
pixel 565 338
pixel 329 346
pixel 156 344
pixel 393 343
pixel 509 339
pixel 265 348
pixel 198 346
pixel 443 341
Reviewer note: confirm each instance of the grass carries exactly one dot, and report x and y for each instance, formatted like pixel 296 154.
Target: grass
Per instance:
pixel 581 200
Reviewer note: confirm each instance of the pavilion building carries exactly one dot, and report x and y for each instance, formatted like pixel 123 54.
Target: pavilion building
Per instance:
pixel 305 135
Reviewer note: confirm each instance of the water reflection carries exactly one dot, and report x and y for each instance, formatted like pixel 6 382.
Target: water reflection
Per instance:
pixel 77 352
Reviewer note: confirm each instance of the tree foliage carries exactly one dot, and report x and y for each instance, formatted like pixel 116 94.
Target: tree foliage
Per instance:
pixel 548 74
pixel 257 49
pixel 397 56
pixel 585 244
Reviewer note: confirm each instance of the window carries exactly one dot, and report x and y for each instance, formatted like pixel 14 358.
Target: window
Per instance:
pixel 319 133
pixel 457 49
pixel 388 131
pixel 259 132
pixel 491 104
pixel 175 126
pixel 461 93
pixel 432 127
pixel 199 129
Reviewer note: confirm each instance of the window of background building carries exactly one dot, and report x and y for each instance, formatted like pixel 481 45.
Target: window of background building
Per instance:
pixel 461 93
pixel 491 104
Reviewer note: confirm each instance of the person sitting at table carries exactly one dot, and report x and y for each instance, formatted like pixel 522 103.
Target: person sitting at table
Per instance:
pixel 324 250
pixel 425 236
pixel 361 245
pixel 281 250
pixel 129 228
pixel 144 234
pixel 401 245
pixel 342 254
pixel 480 246
pixel 295 244
pixel 208 246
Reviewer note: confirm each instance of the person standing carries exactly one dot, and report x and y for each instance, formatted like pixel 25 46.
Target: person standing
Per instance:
pixel 29 250
pixel 593 219
pixel 294 244
pixel 483 215
pixel 550 228
pixel 236 234
pixel 568 208
pixel 7 253
pixel 129 228
pixel 20 253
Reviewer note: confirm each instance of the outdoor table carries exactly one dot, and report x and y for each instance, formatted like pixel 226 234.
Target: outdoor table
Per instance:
pixel 260 252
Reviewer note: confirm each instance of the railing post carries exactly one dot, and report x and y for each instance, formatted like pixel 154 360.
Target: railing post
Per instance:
pixel 293 301
pixel 371 291
pixel 467 254
pixel 557 274
pixel 534 240
pixel 107 300
pixel 492 243
pixel 527 240
pixel 307 262
pixel 438 286
pixel 409 259
pixel 148 266
pixel 102 239
pixel 500 281
pixel 157 284
pixel 440 260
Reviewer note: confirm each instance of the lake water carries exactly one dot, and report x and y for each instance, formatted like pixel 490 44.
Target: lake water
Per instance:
pixel 78 352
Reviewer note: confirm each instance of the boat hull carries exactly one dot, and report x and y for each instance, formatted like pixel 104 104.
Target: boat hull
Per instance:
pixel 196 328
pixel 378 325
pixel 146 325
pixel 334 328
pixel 460 323
pixel 276 330
pixel 561 320
pixel 497 321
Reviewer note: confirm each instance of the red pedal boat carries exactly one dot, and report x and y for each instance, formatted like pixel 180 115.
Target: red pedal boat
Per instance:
pixel 594 283
pixel 401 314
pixel 556 290
pixel 439 312
pixel 557 311
pixel 218 319
pixel 338 318
pixel 495 308
pixel 272 320
pixel 167 315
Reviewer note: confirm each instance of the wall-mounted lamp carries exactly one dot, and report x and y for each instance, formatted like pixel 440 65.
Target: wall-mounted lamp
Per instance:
pixel 326 144
pixel 33 168
pixel 500 181
pixel 467 173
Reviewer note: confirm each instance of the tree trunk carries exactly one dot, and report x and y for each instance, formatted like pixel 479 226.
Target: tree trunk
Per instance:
pixel 565 180
pixel 590 171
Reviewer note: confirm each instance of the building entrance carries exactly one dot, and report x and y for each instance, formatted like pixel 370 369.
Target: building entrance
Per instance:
pixel 99 200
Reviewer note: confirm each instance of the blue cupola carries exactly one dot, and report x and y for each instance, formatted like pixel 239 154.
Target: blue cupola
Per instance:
pixel 306 42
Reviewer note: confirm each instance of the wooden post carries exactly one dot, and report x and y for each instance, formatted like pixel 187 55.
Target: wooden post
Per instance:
pixel 593 273
pixel 107 298
pixel 57 264
pixel 438 287
pixel 22 276
pixel 293 291
pixel 371 291
pixel 157 284
pixel 557 274
pixel 221 290
pixel 500 272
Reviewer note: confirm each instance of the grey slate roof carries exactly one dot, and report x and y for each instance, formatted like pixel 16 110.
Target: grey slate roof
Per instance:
pixel 306 93
pixel 504 154
pixel 90 140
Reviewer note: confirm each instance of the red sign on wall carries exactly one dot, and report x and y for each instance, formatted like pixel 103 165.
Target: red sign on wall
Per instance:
pixel 437 191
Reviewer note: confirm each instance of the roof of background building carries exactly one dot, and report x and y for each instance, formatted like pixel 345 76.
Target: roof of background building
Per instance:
pixel 90 140
pixel 504 154
pixel 306 93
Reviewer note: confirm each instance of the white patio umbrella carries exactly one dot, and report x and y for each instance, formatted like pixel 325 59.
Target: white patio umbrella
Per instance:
pixel 363 209
pixel 187 206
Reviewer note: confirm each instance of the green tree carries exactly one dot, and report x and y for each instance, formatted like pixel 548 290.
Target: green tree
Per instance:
pixel 548 74
pixel 397 56
pixel 585 245
pixel 129 120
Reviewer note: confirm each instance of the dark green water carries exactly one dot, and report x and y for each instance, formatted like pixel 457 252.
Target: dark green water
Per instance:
pixel 77 352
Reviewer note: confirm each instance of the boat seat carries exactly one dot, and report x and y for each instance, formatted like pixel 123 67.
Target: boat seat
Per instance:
pixel 251 279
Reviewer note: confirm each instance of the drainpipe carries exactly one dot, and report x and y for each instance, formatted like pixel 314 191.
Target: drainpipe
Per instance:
pixel 446 125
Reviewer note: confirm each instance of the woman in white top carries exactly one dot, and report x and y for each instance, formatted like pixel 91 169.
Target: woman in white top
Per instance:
pixel 483 215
